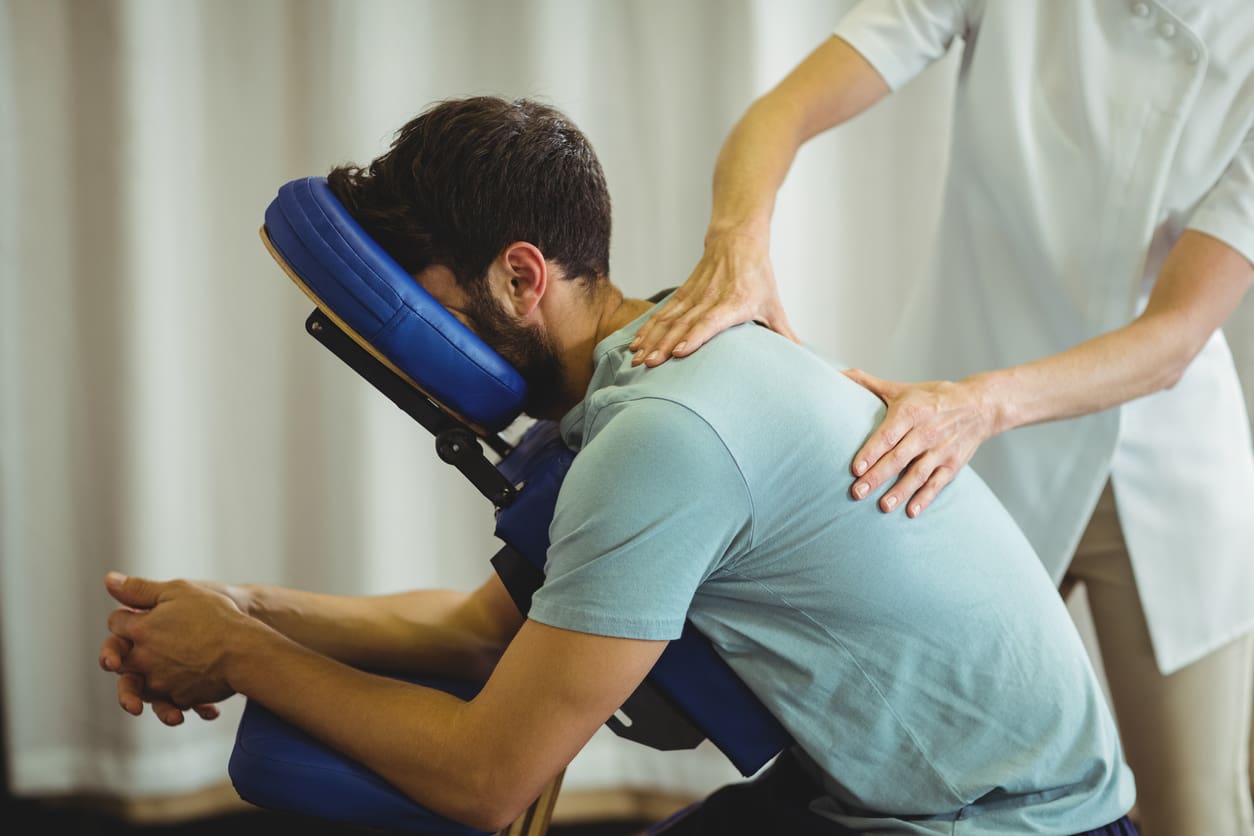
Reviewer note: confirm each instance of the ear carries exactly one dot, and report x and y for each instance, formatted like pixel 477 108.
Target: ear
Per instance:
pixel 526 276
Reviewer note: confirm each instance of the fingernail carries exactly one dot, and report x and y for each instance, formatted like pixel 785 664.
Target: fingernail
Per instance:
pixel 634 344
pixel 860 489
pixel 115 577
pixel 653 355
pixel 915 509
pixel 890 502
pixel 637 357
pixel 681 346
pixel 859 468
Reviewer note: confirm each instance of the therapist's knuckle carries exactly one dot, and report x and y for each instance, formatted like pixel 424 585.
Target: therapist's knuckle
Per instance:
pixel 900 458
pixel 890 435
pixel 690 316
pixel 737 298
pixel 712 321
pixel 663 317
pixel 930 435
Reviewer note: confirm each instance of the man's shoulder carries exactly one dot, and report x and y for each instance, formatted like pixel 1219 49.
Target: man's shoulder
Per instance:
pixel 741 363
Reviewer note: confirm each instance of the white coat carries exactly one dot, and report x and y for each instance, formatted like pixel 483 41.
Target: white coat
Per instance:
pixel 1088 134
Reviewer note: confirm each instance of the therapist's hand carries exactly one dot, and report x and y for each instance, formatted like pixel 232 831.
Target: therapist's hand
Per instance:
pixel 930 432
pixel 733 283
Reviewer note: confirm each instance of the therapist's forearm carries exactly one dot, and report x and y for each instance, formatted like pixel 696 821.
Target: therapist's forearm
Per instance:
pixel 751 166
pixel 1144 357
pixel 833 84
pixel 440 632
pixel 1198 287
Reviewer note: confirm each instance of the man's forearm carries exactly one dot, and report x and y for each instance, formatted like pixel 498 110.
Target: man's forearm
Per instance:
pixel 417 738
pixel 479 762
pixel 441 632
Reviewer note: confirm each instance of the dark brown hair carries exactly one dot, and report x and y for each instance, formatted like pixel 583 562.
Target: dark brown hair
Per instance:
pixel 468 177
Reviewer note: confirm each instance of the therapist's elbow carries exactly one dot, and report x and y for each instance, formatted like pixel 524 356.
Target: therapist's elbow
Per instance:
pixel 1177 342
pixel 1171 376
pixel 1169 372
pixel 1177 362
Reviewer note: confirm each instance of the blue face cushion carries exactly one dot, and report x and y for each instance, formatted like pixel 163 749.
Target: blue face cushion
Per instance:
pixel 384 309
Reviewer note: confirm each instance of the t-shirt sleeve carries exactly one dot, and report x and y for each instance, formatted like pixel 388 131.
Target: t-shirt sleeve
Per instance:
pixel 1227 211
pixel 899 38
pixel 653 505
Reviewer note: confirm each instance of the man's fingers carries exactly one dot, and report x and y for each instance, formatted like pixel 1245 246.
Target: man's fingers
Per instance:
pixel 112 652
pixel 134 592
pixel 206 712
pixel 122 623
pixel 131 693
pixel 166 711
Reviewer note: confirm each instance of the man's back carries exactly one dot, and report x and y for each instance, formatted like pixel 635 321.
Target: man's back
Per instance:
pixel 927 666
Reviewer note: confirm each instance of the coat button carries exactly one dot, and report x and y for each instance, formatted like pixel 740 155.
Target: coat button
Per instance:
pixel 1140 9
pixel 1167 29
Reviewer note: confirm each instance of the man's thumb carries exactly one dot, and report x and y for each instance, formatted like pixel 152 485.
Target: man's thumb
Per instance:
pixel 133 592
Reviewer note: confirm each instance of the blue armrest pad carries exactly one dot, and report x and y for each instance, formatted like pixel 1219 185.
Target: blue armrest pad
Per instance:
pixel 277 766
pixel 357 283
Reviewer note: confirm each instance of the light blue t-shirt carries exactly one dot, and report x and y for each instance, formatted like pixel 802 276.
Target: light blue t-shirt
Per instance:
pixel 928 666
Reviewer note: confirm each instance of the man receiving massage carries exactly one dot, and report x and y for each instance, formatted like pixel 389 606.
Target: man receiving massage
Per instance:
pixel 926 668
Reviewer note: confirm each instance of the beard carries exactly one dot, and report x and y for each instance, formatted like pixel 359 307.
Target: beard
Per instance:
pixel 528 348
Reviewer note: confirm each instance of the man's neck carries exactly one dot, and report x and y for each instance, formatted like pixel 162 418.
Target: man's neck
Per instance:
pixel 580 323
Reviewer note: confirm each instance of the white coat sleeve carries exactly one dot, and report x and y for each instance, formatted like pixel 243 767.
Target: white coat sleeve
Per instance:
pixel 899 38
pixel 1227 211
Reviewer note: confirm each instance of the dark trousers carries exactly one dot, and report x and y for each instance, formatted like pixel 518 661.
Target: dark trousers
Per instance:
pixel 778 801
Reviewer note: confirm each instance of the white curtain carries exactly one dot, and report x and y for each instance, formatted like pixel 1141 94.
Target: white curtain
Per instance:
pixel 161 411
